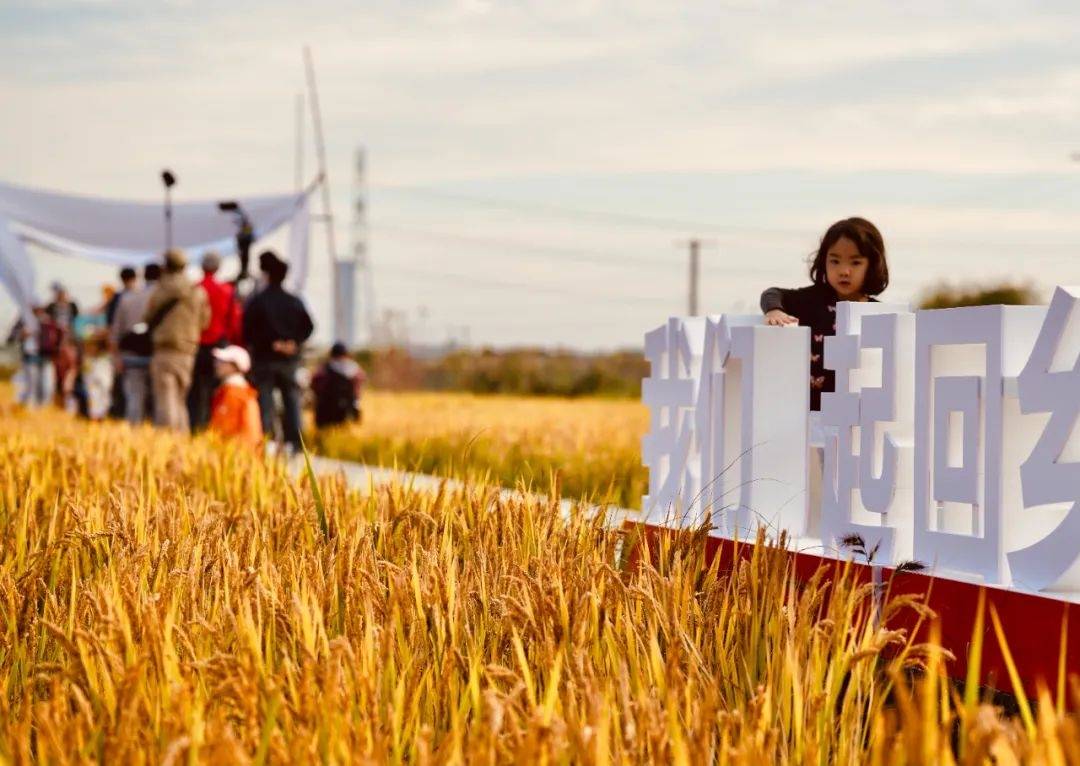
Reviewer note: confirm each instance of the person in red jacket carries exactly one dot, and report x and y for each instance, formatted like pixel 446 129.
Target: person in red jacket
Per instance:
pixel 224 329
pixel 235 408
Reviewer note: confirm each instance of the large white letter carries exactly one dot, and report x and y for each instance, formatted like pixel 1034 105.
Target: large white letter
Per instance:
pixel 774 363
pixel 1050 382
pixel 962 472
pixel 873 403
pixel 717 418
pixel 674 354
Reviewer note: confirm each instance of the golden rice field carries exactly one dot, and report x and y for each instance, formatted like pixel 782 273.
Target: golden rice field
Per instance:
pixel 166 601
pixel 593 444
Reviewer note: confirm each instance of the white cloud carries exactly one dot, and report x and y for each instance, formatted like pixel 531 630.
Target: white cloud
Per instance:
pixel 442 92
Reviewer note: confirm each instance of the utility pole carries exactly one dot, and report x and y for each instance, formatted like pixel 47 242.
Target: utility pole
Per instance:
pixel 695 269
pixel 693 307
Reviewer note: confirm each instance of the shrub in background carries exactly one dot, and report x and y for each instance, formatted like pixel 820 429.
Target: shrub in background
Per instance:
pixel 525 372
pixel 945 295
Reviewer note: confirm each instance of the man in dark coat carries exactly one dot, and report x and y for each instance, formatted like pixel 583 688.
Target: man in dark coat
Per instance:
pixel 276 324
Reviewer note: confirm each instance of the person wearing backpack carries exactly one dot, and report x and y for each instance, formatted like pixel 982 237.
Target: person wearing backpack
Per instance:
pixel 176 314
pixel 337 386
pixel 131 344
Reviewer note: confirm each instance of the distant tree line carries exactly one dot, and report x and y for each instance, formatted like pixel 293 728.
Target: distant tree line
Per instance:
pixel 535 372
pixel 946 295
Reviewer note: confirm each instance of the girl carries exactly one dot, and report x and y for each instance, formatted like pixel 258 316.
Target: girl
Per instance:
pixel 849 266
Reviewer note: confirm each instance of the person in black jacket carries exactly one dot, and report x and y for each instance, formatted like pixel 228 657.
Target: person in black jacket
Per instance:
pixel 276 324
pixel 849 265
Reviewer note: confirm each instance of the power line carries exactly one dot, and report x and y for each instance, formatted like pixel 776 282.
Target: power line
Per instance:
pixel 534 323
pixel 631 219
pixel 550 252
pixel 600 257
pixel 684 225
pixel 484 282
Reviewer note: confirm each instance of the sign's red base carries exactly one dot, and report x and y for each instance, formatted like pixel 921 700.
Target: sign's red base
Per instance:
pixel 1032 623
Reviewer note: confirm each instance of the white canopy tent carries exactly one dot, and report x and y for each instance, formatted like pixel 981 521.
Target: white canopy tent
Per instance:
pixel 122 233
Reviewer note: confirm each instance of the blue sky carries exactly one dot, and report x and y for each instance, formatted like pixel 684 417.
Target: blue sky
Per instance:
pixel 534 166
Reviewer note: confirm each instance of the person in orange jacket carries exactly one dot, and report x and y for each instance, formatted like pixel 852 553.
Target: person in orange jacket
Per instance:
pixel 234 412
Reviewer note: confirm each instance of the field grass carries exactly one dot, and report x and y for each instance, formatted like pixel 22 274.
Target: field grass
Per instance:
pixel 593 444
pixel 167 601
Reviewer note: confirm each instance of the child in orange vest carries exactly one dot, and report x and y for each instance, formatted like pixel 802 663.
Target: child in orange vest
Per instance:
pixel 234 412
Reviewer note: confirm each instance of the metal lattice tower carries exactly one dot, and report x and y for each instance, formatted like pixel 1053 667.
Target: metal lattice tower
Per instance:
pixel 359 243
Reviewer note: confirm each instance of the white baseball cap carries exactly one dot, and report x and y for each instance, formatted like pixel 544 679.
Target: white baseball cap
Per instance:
pixel 235 354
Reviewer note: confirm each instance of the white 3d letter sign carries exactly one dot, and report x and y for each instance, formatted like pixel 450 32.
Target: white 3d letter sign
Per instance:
pixel 670 395
pixel 1050 383
pixel 950 436
pixel 728 438
pixel 963 360
pixel 867 483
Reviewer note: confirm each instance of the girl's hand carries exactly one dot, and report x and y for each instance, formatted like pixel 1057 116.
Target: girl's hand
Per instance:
pixel 777 318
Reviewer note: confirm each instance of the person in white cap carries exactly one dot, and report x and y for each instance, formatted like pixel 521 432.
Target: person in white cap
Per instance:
pixel 234 413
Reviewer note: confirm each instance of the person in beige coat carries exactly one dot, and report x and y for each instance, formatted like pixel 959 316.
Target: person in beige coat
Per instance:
pixel 177 313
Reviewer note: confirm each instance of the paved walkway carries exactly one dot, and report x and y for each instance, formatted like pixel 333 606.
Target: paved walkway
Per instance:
pixel 365 478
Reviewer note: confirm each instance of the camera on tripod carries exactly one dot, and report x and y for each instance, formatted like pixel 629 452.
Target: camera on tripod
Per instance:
pixel 245 236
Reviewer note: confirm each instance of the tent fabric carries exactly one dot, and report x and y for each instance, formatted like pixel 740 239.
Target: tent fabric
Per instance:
pixel 138 227
pixel 120 233
pixel 299 237
pixel 16 271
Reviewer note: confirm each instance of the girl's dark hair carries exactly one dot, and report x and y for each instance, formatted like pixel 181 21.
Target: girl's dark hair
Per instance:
pixel 871 246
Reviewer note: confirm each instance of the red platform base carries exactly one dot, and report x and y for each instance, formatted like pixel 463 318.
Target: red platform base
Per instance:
pixel 1032 622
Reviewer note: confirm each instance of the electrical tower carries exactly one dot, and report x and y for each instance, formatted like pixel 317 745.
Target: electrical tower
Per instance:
pixel 360 256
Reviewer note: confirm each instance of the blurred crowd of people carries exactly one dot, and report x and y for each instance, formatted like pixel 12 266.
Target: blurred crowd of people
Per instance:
pixel 189 355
